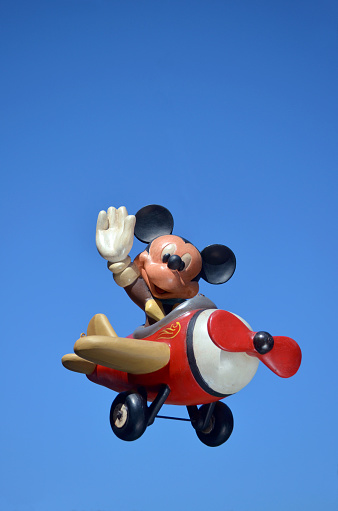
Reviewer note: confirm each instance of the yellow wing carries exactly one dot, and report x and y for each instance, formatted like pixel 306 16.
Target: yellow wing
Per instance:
pixel 134 356
pixel 102 346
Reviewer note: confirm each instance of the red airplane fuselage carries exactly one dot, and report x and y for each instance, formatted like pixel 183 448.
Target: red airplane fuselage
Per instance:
pixel 199 371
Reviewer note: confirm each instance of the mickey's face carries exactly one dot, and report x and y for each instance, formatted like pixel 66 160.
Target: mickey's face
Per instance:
pixel 169 267
pixel 171 264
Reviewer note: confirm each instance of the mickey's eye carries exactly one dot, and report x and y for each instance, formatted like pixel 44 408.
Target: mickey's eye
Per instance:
pixel 167 252
pixel 186 259
pixel 182 266
pixel 165 258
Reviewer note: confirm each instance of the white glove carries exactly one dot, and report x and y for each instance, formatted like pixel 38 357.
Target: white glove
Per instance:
pixel 115 234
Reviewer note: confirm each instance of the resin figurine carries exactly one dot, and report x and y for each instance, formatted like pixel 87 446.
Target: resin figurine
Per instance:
pixel 188 352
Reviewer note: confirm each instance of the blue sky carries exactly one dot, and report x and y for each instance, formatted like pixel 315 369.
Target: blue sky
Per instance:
pixel 226 113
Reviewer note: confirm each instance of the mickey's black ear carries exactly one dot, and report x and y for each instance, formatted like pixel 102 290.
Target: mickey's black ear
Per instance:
pixel 153 221
pixel 219 264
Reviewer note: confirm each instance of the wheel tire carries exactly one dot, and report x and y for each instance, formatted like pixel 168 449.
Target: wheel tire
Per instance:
pixel 220 427
pixel 129 416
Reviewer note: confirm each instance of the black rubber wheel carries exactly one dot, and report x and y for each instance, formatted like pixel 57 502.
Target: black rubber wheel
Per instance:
pixel 129 416
pixel 220 426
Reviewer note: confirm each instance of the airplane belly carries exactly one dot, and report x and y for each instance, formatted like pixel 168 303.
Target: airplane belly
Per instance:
pixel 218 372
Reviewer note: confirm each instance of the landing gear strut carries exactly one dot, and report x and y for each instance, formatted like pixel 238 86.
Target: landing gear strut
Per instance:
pixel 130 416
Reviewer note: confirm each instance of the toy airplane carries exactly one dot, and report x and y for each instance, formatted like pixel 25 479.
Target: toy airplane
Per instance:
pixel 196 355
pixel 188 352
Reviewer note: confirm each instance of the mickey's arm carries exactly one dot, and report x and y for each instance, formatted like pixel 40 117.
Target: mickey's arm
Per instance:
pixel 114 240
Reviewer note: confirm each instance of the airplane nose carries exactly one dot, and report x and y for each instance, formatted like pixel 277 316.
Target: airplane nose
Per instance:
pixel 175 263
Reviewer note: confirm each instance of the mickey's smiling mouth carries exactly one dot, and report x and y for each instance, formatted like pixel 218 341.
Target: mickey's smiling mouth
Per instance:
pixel 158 290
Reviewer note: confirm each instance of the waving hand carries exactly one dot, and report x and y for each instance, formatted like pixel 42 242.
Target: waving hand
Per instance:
pixel 115 234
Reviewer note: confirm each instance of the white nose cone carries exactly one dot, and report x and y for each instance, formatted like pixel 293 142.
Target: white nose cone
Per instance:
pixel 222 371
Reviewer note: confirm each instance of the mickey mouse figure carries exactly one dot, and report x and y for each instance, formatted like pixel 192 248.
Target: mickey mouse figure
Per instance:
pixel 167 272
pixel 216 354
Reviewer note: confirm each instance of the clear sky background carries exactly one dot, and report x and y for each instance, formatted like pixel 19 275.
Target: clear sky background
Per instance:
pixel 225 112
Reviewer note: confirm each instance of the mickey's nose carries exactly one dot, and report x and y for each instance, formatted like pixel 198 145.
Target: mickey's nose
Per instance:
pixel 175 263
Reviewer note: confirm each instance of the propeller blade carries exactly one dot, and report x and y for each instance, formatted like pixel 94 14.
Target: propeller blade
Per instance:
pixel 231 333
pixel 285 357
